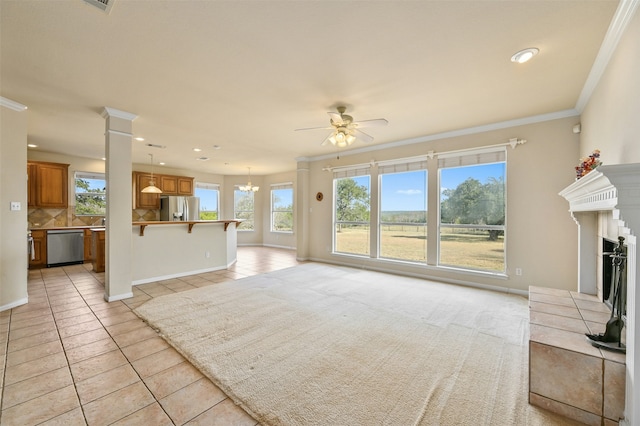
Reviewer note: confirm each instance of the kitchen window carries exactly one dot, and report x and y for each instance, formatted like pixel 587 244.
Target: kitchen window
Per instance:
pixel 91 194
pixel 209 194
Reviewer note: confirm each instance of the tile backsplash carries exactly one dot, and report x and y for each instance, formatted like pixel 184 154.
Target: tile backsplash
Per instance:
pixel 57 218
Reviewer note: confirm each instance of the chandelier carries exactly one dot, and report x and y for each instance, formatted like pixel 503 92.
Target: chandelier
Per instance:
pixel 248 187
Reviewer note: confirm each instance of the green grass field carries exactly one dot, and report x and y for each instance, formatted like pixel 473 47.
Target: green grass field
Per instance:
pixel 461 248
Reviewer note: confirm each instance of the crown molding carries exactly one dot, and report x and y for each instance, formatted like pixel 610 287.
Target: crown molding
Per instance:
pixel 112 112
pixel 622 17
pixel 454 133
pixel 8 103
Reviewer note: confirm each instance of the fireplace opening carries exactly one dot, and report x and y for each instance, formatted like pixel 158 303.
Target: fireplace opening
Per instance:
pixel 607 271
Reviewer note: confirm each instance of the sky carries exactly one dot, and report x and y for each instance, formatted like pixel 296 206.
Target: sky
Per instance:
pixel 208 199
pixel 406 191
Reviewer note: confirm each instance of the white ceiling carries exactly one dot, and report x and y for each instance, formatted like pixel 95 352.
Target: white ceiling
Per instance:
pixel 244 74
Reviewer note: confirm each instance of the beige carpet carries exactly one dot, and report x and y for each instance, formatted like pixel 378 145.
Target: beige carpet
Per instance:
pixel 326 345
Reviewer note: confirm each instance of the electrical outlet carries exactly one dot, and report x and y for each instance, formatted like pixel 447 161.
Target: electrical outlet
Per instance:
pixel 207 254
pixel 15 206
pixel 518 271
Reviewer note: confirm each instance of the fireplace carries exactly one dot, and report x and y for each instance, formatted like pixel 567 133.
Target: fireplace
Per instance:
pixel 605 204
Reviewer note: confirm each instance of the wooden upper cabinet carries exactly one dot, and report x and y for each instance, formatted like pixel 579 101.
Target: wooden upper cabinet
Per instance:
pixel 48 185
pixel 142 200
pixel 185 186
pixel 169 185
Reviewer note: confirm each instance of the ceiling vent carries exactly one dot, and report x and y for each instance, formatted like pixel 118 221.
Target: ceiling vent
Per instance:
pixel 104 5
pixel 153 145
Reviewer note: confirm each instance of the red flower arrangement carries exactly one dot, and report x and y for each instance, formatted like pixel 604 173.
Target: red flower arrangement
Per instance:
pixel 588 163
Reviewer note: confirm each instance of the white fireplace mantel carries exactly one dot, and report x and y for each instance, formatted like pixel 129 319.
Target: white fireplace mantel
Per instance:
pixel 614 188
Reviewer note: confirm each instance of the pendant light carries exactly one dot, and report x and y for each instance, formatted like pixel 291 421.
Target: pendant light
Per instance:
pixel 248 187
pixel 152 188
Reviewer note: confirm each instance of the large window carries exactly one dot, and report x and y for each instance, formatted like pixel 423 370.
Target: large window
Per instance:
pixel 282 207
pixel 209 194
pixel 352 213
pixel 472 211
pixel 243 208
pixel 403 212
pixel 91 194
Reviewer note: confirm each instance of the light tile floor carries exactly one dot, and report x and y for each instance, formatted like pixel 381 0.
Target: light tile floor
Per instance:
pixel 71 358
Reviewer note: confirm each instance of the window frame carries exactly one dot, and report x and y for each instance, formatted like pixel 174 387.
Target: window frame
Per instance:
pixel 395 169
pixel 209 187
pixel 350 173
pixel 243 225
pixel 79 175
pixel 472 158
pixel 288 186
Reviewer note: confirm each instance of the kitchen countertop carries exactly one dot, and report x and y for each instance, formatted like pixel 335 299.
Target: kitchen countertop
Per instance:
pixel 67 227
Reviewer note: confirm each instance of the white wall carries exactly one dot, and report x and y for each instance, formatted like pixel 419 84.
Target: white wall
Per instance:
pixel 13 224
pixel 541 236
pixel 611 118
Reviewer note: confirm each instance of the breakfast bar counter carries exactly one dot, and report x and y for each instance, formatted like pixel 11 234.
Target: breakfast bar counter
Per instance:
pixel 164 250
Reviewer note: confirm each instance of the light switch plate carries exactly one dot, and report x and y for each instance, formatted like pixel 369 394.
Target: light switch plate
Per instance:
pixel 15 205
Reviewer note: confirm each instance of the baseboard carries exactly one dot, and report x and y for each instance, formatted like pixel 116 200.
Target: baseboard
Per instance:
pixel 15 304
pixel 427 277
pixel 180 274
pixel 118 297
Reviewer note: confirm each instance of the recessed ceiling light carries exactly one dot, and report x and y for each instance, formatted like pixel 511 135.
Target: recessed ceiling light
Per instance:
pixel 197 149
pixel 162 163
pixel 32 145
pixel 524 55
pixel 139 139
pixel 104 158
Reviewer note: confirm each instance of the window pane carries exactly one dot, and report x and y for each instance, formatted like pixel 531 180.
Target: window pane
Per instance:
pixel 208 203
pixel 282 210
pixel 243 209
pixel 91 196
pixel 403 216
pixel 472 217
pixel 352 201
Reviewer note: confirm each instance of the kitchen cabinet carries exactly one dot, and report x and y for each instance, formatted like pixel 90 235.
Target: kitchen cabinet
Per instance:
pixel 48 185
pixel 176 185
pixel 97 249
pixel 87 245
pixel 169 184
pixel 185 186
pixel 39 258
pixel 142 200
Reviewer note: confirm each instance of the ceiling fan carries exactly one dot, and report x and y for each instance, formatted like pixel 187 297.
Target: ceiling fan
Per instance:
pixel 345 131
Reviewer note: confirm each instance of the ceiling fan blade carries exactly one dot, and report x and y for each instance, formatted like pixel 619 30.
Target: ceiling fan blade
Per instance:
pixel 326 140
pixel 378 122
pixel 336 118
pixel 314 128
pixel 362 136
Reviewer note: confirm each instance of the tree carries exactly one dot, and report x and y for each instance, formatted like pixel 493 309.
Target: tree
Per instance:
pixel 473 203
pixel 352 201
pixel 90 201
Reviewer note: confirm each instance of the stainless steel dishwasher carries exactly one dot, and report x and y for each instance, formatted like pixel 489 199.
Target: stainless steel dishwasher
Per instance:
pixel 65 247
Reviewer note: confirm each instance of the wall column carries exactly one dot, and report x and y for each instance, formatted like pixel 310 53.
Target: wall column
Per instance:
pixel 118 169
pixel 302 213
pixel 13 217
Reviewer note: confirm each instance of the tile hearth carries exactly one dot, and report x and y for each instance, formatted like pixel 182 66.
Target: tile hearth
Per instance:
pixel 568 375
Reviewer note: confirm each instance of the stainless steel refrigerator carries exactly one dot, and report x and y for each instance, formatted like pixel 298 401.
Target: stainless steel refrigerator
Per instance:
pixel 176 208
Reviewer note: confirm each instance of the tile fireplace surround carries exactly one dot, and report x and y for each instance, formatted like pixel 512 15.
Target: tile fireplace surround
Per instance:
pixel 606 204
